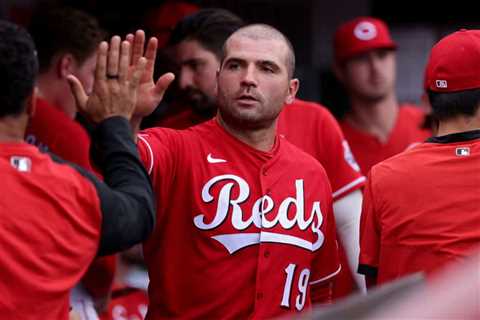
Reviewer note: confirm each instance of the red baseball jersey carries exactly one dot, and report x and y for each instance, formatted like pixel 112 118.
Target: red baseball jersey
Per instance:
pixel 50 238
pixel 407 132
pixel 52 130
pixel 312 128
pixel 421 208
pixel 241 233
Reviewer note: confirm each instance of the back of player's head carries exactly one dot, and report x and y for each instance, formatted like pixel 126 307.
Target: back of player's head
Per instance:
pixel 18 68
pixel 261 31
pixel 210 27
pixel 64 30
pixel 452 76
pixel 359 36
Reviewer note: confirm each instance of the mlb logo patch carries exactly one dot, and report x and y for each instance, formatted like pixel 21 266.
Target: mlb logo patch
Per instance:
pixel 22 164
pixel 462 152
pixel 441 83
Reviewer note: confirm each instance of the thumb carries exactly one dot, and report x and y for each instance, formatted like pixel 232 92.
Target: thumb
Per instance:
pixel 78 92
pixel 163 82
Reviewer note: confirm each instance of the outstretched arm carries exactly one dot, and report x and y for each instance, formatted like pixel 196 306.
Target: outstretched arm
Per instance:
pixel 126 197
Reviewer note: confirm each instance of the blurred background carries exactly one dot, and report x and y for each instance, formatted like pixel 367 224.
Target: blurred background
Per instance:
pixel 310 24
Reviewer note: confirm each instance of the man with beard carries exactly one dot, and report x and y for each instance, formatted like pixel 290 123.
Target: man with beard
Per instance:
pixel 195 46
pixel 375 126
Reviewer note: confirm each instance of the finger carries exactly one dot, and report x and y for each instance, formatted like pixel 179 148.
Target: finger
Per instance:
pixel 124 61
pixel 101 67
pixel 138 44
pixel 137 74
pixel 78 92
pixel 151 54
pixel 163 82
pixel 130 38
pixel 113 55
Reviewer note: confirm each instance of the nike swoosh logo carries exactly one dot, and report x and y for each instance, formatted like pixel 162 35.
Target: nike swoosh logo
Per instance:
pixel 211 159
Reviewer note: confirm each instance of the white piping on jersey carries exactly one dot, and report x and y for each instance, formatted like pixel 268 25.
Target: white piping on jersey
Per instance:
pixel 236 241
pixel 150 167
pixel 349 186
pixel 331 275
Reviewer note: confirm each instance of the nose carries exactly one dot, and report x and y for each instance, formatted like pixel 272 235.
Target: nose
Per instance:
pixel 249 78
pixel 185 78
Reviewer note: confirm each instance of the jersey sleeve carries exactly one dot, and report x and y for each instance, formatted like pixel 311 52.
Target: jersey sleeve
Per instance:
pixel 342 169
pixel 369 234
pixel 159 152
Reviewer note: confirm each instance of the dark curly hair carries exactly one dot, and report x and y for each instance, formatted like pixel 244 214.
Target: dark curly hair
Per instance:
pixel 18 68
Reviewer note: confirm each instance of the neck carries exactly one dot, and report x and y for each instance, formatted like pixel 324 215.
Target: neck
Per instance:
pixel 376 118
pixel 458 124
pixel 12 129
pixel 261 139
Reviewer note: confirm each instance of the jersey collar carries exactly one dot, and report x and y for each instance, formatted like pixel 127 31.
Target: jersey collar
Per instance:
pixel 456 137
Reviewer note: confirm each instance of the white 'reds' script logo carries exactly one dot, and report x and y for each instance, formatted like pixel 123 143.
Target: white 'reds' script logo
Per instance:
pixel 261 216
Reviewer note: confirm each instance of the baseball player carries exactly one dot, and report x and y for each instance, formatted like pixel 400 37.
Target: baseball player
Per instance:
pixel 375 126
pixel 245 226
pixel 56 216
pixel 421 207
pixel 197 46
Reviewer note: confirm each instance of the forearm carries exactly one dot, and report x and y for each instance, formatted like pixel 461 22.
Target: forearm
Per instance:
pixel 127 202
pixel 135 122
pixel 347 211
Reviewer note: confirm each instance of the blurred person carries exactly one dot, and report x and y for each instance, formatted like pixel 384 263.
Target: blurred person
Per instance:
pixel 197 42
pixel 56 216
pixel 66 41
pixel 376 125
pixel 420 209
pixel 255 235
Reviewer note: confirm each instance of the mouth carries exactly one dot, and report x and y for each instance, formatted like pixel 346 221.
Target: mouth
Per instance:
pixel 246 99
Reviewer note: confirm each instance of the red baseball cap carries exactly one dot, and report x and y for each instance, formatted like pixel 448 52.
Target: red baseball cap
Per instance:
pixel 454 63
pixel 360 35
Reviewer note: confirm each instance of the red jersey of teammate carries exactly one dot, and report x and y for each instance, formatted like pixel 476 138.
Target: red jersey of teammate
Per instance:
pixel 182 120
pixel 407 132
pixel 421 208
pixel 58 215
pixel 241 233
pixel 52 130
pixel 312 128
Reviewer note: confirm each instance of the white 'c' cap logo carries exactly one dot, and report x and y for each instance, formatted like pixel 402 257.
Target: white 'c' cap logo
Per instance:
pixel 365 31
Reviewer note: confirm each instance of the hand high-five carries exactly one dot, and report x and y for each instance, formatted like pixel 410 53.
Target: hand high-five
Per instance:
pixel 122 80
pixel 150 94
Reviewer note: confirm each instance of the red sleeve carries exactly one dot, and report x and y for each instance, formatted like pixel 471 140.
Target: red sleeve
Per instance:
pixel 338 160
pixel 369 233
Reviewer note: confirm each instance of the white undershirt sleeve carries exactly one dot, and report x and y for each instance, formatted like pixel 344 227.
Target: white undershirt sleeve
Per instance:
pixel 347 212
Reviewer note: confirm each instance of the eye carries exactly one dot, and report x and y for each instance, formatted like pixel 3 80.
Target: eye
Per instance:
pixel 268 69
pixel 233 65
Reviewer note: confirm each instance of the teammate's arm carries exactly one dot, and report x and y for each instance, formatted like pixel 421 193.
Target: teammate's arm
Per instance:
pixel 127 202
pixel 347 212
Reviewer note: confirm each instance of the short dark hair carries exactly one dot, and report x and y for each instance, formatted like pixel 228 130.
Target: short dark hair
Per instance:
pixel 448 105
pixel 18 68
pixel 262 31
pixel 65 30
pixel 210 27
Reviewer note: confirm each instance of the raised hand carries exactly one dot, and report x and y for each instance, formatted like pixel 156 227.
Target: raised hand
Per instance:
pixel 150 94
pixel 116 83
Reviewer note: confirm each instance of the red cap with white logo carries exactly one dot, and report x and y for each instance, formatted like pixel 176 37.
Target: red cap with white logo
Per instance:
pixel 360 35
pixel 454 63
